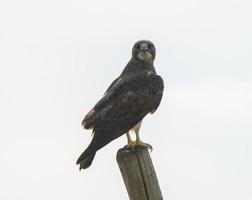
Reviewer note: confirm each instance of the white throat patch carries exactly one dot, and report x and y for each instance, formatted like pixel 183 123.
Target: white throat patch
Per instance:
pixel 145 56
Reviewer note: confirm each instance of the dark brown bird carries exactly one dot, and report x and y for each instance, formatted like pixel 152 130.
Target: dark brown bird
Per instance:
pixel 129 98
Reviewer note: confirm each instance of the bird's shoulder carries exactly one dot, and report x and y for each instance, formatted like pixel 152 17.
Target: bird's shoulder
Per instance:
pixel 112 84
pixel 143 80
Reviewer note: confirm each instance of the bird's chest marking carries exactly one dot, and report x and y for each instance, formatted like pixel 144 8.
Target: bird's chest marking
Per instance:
pixel 150 73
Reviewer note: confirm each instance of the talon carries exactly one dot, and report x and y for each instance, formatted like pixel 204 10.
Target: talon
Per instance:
pixel 146 145
pixel 133 144
pixel 130 145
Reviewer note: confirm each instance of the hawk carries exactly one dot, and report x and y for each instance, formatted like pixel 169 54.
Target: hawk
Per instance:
pixel 130 97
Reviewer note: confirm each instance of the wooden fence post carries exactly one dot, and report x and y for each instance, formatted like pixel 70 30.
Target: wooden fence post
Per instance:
pixel 138 174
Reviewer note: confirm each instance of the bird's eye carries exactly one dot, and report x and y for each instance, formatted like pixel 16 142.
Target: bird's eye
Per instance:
pixel 138 46
pixel 150 46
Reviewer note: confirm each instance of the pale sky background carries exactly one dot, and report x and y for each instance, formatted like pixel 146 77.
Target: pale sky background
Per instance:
pixel 58 57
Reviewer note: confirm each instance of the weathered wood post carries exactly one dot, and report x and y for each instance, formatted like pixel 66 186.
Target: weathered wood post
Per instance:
pixel 138 174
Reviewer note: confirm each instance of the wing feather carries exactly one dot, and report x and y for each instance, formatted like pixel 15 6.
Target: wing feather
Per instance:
pixel 129 100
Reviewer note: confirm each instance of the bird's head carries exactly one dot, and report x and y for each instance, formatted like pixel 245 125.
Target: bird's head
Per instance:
pixel 144 50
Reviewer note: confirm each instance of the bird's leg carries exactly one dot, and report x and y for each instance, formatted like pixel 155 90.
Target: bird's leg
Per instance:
pixel 138 142
pixel 130 141
pixel 132 144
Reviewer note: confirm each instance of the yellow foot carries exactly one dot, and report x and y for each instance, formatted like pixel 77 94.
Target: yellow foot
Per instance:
pixel 130 145
pixel 145 145
pixel 134 144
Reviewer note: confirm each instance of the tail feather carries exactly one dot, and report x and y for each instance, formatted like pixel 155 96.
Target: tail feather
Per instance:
pixel 85 160
pixel 99 140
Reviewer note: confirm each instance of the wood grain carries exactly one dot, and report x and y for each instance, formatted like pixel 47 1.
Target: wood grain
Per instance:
pixel 138 174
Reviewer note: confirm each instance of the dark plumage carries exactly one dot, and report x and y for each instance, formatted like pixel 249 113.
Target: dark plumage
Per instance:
pixel 130 97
